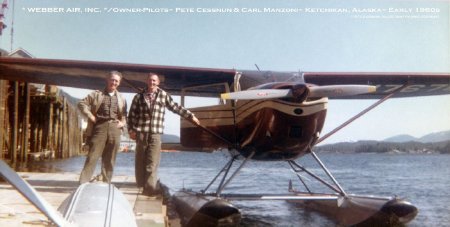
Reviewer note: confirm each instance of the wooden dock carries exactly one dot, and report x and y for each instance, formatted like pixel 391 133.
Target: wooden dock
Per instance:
pixel 15 210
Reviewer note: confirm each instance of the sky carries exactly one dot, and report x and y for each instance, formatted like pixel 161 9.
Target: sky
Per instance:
pixel 287 35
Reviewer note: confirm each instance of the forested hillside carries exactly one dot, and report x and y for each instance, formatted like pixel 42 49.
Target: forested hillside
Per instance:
pixel 386 147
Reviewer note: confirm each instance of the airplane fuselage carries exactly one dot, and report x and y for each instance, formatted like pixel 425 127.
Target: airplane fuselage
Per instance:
pixel 275 129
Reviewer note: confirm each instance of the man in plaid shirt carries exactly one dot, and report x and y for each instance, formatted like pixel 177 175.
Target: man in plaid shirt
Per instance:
pixel 145 125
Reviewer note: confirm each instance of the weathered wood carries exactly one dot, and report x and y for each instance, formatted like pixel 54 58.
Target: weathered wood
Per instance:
pixel 3 119
pixel 13 147
pixel 63 127
pixel 49 136
pixel 25 124
pixel 58 133
pixel 40 122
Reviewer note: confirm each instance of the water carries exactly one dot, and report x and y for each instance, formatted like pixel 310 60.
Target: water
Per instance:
pixel 421 179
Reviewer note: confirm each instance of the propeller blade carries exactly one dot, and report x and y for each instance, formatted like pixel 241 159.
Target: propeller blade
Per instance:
pixel 340 90
pixel 314 92
pixel 257 94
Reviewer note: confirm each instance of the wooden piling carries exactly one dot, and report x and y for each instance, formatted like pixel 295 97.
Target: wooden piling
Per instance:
pixel 3 118
pixel 37 123
pixel 49 128
pixel 25 124
pixel 13 147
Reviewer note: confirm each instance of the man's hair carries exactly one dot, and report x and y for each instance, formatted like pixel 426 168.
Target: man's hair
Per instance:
pixel 117 73
pixel 152 74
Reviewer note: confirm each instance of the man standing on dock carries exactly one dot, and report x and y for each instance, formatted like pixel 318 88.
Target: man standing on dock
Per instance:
pixel 145 125
pixel 106 112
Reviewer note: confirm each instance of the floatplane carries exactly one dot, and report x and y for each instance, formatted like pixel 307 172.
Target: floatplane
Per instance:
pixel 262 116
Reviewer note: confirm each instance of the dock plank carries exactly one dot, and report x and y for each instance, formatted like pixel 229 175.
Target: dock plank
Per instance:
pixel 15 210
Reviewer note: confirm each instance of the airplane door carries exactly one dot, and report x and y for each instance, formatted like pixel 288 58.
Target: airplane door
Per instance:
pixel 216 117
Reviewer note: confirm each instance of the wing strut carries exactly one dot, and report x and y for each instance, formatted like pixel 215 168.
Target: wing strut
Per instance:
pixel 293 164
pixel 31 194
pixel 221 187
pixel 328 173
pixel 138 90
pixel 337 188
pixel 226 168
pixel 360 114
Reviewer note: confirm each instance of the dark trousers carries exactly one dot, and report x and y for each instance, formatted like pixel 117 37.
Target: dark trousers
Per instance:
pixel 148 156
pixel 104 142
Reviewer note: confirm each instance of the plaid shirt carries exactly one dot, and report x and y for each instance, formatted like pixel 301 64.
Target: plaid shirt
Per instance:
pixel 145 118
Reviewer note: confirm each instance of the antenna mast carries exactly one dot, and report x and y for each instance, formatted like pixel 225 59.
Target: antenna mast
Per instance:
pixel 2 16
pixel 3 8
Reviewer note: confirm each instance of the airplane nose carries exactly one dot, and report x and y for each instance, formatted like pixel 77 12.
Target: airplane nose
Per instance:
pixel 300 92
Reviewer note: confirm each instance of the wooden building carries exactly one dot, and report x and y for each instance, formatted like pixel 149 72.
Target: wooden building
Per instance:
pixel 37 121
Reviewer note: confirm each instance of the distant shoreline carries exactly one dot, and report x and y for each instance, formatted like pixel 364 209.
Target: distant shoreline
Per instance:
pixel 410 147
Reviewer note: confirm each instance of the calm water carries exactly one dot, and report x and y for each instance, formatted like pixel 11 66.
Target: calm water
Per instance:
pixel 421 179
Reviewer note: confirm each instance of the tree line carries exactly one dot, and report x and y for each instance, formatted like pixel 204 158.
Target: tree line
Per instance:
pixel 386 147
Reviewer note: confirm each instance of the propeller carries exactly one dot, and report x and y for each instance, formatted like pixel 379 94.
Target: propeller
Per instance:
pixel 314 92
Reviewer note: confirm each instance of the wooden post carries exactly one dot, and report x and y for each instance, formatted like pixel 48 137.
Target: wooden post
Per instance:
pixel 40 132
pixel 25 124
pixel 13 148
pixel 50 143
pixel 3 91
pixel 33 136
pixel 58 133
pixel 64 128
pixel 70 138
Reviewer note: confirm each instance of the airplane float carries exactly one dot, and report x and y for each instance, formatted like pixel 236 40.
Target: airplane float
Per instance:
pixel 263 116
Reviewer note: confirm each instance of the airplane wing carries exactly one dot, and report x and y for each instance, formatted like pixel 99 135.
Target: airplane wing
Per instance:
pixel 408 84
pixel 340 85
pixel 91 75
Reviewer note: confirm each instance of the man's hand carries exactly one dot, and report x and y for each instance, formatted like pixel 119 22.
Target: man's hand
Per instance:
pixel 120 124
